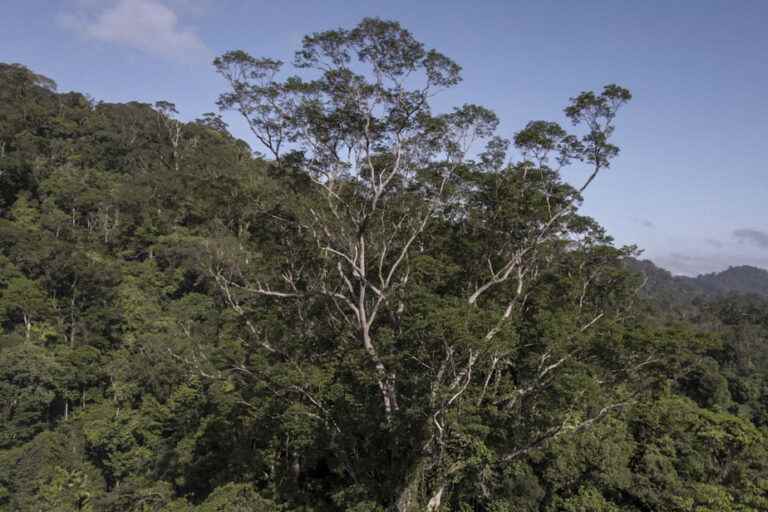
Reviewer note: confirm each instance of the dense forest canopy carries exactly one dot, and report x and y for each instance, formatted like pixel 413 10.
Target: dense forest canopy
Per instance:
pixel 390 309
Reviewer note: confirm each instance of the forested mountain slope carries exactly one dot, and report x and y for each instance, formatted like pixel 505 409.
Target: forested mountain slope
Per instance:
pixel 368 318
pixel 742 279
pixel 662 285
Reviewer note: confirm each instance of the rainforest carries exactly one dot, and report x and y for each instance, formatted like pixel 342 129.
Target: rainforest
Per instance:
pixel 373 305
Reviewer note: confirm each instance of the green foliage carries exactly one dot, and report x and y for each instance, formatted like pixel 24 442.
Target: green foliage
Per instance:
pixel 370 320
pixel 236 498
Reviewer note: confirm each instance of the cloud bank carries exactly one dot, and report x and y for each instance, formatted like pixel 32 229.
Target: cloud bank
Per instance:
pixel 752 236
pixel 149 26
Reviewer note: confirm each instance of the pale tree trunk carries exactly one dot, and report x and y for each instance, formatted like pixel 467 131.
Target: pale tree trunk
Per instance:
pixel 27 326
pixel 434 502
pixel 409 497
pixel 416 493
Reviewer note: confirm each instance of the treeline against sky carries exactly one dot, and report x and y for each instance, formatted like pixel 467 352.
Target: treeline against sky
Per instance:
pixel 387 311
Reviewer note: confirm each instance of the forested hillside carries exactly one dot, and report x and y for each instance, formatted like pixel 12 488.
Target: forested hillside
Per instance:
pixel 387 309
pixel 661 285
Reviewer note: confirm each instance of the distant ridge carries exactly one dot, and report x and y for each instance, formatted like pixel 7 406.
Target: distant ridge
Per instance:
pixel 661 284
pixel 740 279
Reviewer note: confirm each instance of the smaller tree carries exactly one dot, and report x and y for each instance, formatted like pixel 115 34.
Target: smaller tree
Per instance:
pixel 23 299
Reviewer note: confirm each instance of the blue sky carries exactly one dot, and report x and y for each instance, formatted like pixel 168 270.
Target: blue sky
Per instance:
pixel 690 185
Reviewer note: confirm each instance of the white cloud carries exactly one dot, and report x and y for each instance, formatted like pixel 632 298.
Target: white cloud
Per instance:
pixel 146 25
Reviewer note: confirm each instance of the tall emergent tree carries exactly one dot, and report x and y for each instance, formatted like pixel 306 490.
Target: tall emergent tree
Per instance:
pixel 429 310
pixel 382 314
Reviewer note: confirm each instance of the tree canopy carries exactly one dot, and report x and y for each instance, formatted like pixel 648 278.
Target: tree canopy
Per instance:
pixel 382 307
